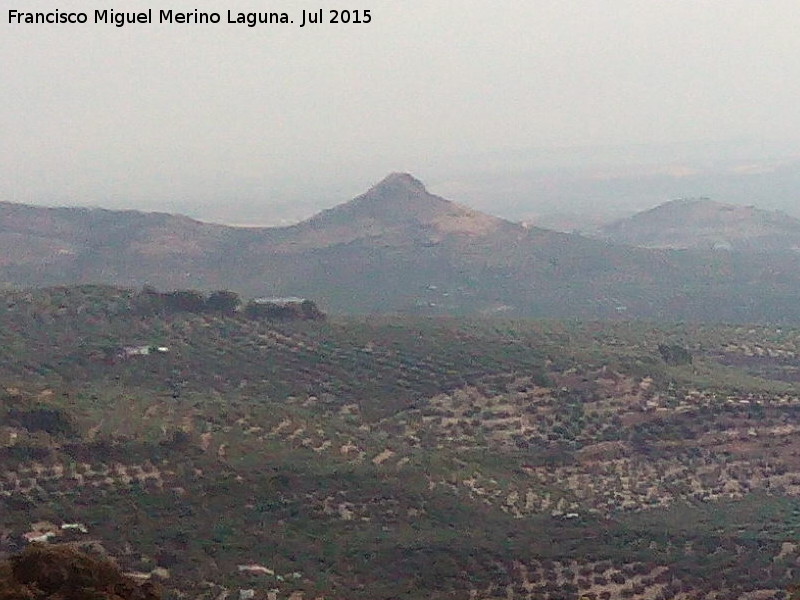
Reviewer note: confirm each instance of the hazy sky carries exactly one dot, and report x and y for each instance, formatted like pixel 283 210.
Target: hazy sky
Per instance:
pixel 225 121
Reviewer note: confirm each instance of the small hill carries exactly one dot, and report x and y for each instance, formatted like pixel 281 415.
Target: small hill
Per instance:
pixel 705 224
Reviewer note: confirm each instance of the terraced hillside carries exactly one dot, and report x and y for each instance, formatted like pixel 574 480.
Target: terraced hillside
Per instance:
pixel 388 457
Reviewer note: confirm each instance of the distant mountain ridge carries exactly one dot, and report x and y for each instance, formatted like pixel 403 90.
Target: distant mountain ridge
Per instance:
pixel 705 224
pixel 396 248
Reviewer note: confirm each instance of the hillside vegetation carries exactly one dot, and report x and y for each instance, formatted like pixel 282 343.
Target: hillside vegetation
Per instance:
pixel 400 457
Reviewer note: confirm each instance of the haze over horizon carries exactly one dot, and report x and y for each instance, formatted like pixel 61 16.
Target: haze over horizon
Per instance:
pixel 518 109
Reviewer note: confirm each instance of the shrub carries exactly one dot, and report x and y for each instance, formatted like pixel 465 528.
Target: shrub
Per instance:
pixel 223 301
pixel 45 571
pixel 51 420
pixel 675 354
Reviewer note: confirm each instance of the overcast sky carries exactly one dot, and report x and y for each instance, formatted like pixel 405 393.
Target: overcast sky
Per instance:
pixel 226 122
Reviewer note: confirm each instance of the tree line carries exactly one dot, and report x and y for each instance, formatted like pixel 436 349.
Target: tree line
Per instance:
pixel 223 303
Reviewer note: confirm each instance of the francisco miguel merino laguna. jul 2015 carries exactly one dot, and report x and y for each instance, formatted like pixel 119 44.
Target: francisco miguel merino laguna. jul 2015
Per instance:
pixel 251 19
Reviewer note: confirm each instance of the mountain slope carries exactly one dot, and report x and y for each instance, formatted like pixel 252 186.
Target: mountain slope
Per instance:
pixel 396 248
pixel 702 223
